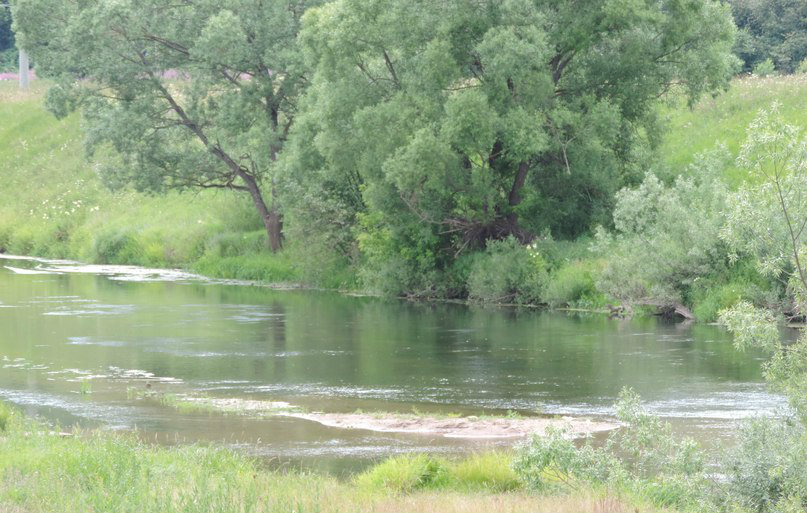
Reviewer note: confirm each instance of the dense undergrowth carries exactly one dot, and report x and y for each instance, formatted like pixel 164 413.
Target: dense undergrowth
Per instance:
pixel 52 204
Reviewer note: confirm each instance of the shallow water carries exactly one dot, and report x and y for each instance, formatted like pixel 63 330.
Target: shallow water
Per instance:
pixel 119 331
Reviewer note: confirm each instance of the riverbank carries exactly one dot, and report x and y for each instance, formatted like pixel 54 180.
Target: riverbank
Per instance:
pixel 42 470
pixel 54 205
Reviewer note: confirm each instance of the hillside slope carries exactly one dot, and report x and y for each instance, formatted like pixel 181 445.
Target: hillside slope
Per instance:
pixel 725 118
pixel 52 204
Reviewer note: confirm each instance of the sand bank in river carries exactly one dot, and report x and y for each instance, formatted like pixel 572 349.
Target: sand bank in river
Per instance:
pixel 457 427
pixel 448 426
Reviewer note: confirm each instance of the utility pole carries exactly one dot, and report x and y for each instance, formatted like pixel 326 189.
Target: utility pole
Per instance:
pixel 23 70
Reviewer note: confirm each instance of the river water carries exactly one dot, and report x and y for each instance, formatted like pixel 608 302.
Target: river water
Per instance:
pixel 68 329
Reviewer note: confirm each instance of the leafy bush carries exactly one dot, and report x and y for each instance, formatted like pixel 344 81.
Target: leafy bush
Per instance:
pixel 767 471
pixel 117 247
pixel 574 285
pixel 764 68
pixel 648 445
pixel 729 285
pixel 507 272
pixel 553 463
pixel 642 456
pixel 667 236
pixel 8 59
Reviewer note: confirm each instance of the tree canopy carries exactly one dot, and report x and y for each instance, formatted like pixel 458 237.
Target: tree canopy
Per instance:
pixel 771 29
pixel 191 94
pixel 438 126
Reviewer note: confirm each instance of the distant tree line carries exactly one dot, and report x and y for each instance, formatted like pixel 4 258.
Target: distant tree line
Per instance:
pixel 8 54
pixel 771 29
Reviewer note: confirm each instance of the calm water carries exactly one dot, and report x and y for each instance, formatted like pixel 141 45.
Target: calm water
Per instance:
pixel 122 328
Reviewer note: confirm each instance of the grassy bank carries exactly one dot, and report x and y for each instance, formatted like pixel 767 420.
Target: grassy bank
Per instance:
pixel 52 204
pixel 44 471
pixel 725 118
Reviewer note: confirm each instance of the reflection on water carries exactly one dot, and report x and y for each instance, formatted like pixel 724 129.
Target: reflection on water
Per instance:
pixel 130 329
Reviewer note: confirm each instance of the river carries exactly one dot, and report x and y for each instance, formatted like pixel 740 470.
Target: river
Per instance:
pixel 80 345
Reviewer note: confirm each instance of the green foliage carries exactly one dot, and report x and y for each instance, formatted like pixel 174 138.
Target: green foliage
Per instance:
pixel 230 244
pixel 403 474
pixel 764 68
pixel 85 388
pixel 507 272
pixel 553 463
pixel 116 247
pixel 9 60
pixel 483 472
pixel 174 97
pixel 768 215
pixel 730 284
pixel 786 371
pixel 574 285
pixel 666 236
pixel 647 444
pixel 487 471
pixel 269 268
pixel 481 121
pixel 772 30
pixel 765 471
pixel 767 221
pixel 6 34
pixel 6 415
pixel 643 456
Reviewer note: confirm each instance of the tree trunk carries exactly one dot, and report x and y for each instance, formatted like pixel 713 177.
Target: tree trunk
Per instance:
pixel 272 220
pixel 513 200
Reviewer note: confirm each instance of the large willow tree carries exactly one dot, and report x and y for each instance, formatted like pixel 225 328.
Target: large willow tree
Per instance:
pixel 440 125
pixel 188 94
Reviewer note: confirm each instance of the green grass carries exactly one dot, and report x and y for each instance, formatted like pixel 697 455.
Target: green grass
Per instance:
pixel 99 471
pixel 52 204
pixel 725 118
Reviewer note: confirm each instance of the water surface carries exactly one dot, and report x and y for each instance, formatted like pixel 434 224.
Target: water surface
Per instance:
pixel 125 329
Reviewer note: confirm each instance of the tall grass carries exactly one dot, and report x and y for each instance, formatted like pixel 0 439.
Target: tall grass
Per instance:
pixel 47 472
pixel 724 119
